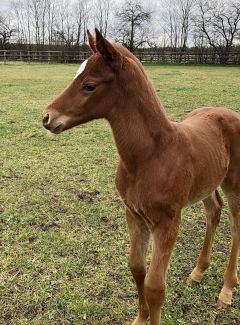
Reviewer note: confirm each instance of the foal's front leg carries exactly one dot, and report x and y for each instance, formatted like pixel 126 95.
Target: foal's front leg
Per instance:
pixel 164 236
pixel 139 238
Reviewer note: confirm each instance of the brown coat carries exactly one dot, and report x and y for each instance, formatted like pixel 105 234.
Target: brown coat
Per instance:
pixel 164 165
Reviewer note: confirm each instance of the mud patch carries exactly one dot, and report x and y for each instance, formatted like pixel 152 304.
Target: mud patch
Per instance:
pixel 88 196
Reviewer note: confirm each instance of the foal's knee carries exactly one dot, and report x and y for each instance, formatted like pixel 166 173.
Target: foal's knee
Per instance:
pixel 154 291
pixel 138 270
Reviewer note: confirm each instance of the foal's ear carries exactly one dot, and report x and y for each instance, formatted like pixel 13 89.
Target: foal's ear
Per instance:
pixel 91 42
pixel 108 51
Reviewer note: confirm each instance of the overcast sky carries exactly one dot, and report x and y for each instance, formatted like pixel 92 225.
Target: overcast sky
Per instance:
pixel 4 4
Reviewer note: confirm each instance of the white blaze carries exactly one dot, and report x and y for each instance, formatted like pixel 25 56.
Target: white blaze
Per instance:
pixel 81 68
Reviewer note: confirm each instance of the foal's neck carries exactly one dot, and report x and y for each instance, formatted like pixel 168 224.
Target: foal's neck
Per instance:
pixel 139 123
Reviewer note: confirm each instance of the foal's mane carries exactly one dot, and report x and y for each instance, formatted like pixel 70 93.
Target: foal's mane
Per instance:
pixel 135 65
pixel 142 77
pixel 126 53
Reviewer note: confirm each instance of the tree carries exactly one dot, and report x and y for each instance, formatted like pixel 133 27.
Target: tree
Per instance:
pixel 35 21
pixel 102 13
pixel 177 21
pixel 51 18
pixel 219 22
pixel 133 20
pixel 79 14
pixel 85 17
pixel 171 26
pixel 185 9
pixel 22 12
pixel 65 28
pixel 6 31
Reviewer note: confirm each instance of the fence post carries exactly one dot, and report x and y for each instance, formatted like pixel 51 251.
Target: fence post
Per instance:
pixel 28 57
pixel 5 56
pixel 20 56
pixel 49 57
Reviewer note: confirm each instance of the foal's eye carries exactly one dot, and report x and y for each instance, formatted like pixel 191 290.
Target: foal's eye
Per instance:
pixel 89 87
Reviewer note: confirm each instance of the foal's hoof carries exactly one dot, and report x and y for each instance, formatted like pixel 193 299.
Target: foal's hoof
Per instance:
pixel 139 321
pixel 191 281
pixel 222 305
pixel 195 277
pixel 224 299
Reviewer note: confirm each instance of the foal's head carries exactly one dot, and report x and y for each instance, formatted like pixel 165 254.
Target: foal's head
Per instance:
pixel 96 88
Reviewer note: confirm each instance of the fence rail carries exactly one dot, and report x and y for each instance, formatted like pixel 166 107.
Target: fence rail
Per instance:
pixel 161 56
pixel 42 56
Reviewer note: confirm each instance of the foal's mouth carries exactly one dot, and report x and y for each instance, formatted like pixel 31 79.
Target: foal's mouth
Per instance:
pixel 55 129
pixel 58 129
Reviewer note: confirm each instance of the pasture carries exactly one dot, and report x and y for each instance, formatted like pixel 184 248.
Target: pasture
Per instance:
pixel 63 236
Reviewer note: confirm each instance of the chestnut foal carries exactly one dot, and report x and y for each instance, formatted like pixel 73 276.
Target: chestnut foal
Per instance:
pixel 164 165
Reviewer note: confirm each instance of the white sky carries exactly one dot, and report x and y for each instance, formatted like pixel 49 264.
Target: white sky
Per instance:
pixel 4 4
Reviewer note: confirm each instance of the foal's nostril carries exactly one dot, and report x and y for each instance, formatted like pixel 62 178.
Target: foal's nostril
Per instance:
pixel 45 119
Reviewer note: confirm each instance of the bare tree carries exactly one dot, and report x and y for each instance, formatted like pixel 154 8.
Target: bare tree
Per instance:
pixel 43 21
pixel 101 16
pixel 133 20
pixel 21 12
pixel 86 20
pixel 177 22
pixel 172 26
pixel 30 16
pixel 220 24
pixel 82 10
pixel 185 9
pixel 35 9
pixel 79 15
pixel 51 7
pixel 52 22
pixel 66 27
pixel 6 31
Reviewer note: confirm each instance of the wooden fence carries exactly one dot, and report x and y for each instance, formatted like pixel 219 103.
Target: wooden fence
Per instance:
pixel 161 56
pixel 42 56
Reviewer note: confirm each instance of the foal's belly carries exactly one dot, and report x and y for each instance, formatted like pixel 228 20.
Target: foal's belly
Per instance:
pixel 203 193
pixel 208 178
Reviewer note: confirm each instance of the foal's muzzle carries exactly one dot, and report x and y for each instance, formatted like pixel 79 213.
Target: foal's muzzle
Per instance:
pixel 52 124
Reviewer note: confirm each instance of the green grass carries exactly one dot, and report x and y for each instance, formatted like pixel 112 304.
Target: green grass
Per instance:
pixel 63 236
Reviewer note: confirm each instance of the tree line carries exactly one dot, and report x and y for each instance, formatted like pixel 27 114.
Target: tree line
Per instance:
pixel 174 24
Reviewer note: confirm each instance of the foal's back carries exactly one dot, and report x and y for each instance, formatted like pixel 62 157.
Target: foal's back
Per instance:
pixel 213 135
pixel 224 122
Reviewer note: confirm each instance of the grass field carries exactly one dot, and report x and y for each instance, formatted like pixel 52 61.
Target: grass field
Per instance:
pixel 63 238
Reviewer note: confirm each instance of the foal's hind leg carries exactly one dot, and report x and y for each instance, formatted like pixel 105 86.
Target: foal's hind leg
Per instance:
pixel 139 238
pixel 213 205
pixel 230 277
